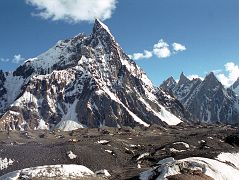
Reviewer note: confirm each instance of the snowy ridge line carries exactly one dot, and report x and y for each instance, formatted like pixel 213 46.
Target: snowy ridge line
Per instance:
pixel 135 117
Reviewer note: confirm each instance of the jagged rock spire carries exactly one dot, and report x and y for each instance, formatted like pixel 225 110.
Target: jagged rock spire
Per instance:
pixel 183 79
pixel 168 84
pixel 211 80
pixel 235 84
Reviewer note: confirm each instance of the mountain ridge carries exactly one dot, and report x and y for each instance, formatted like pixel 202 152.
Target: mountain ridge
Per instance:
pixel 207 100
pixel 86 81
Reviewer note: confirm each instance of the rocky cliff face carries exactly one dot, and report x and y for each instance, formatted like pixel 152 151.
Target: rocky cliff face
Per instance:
pixel 86 81
pixel 235 87
pixel 207 101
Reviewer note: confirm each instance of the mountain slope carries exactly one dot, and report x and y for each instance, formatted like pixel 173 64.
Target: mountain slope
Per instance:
pixel 85 82
pixel 207 101
pixel 235 86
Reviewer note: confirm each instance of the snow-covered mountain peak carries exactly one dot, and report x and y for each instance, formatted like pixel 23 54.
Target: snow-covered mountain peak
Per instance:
pixel 85 81
pixel 99 27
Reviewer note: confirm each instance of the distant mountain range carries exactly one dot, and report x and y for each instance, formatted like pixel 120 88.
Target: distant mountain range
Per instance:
pixel 207 100
pixel 85 81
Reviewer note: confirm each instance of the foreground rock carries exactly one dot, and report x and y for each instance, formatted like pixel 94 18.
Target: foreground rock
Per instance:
pixel 124 153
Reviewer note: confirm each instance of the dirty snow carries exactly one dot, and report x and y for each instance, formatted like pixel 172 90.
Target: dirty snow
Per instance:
pixel 51 171
pixel 69 121
pixel 142 156
pixel 102 142
pixel 183 143
pixel 103 172
pixel 213 168
pixel 229 157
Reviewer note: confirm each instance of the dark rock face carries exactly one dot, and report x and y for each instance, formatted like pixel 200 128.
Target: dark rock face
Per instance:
pixel 168 84
pixel 87 82
pixel 235 86
pixel 232 139
pixel 2 81
pixel 207 101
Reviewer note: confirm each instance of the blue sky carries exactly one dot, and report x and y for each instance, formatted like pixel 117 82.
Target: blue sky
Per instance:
pixel 207 29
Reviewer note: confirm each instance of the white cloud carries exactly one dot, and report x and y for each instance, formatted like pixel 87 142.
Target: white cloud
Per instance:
pixel 17 58
pixel 231 74
pixel 194 76
pixel 178 47
pixel 216 71
pixel 161 49
pixel 73 10
pixel 145 55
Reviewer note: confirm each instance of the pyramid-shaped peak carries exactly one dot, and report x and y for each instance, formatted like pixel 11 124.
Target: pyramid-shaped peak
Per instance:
pixel 211 80
pixel 171 80
pixel 183 79
pixel 168 84
pixel 211 76
pixel 99 26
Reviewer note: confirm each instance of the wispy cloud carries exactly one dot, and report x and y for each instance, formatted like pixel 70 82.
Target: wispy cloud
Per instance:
pixel 161 50
pixel 73 10
pixel 16 59
pixel 229 75
pixel 194 76
pixel 145 55
pixel 4 60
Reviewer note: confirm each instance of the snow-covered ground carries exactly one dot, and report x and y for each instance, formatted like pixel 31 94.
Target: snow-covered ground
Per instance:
pixel 224 167
pixel 62 171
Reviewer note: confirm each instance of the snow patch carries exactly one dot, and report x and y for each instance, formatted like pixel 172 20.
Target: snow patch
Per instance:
pixel 71 155
pixel 4 163
pixel 213 168
pixel 229 157
pixel 51 171
pixel 103 142
pixel 42 125
pixel 103 172
pixel 142 156
pixel 69 121
pixel 68 125
pixel 183 143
